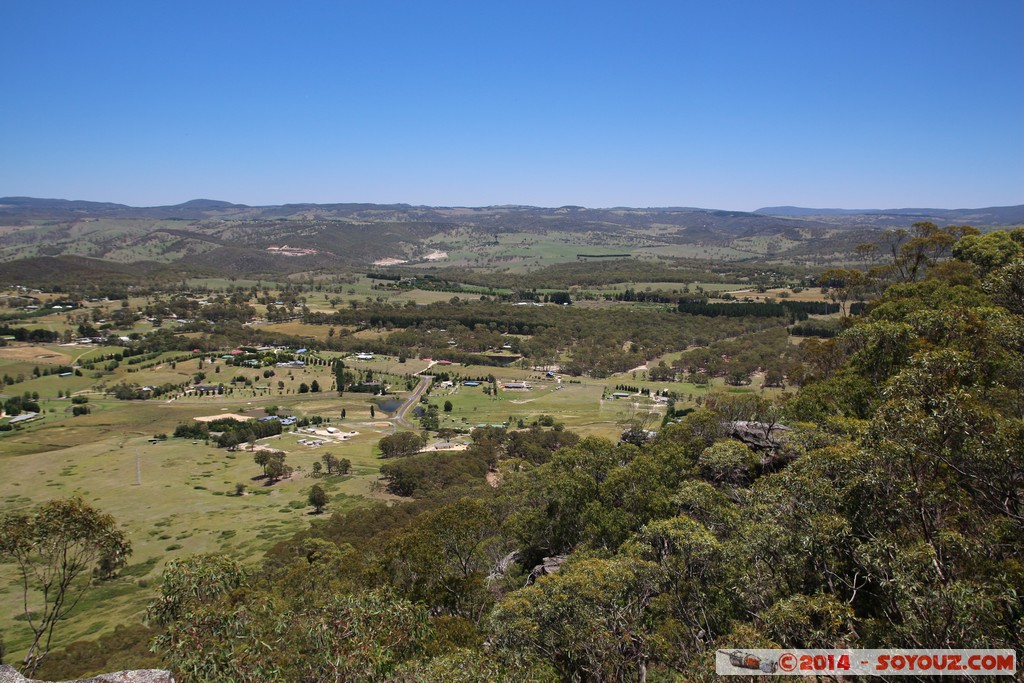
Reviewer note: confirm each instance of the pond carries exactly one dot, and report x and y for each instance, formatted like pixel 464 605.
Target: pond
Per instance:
pixel 388 405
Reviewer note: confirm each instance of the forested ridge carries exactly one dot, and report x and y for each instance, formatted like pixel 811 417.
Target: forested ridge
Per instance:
pixel 891 515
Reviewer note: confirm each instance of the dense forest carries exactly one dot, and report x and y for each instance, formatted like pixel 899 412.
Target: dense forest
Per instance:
pixel 887 511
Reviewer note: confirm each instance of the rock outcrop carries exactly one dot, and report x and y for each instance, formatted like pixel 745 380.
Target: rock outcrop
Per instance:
pixel 549 565
pixel 758 435
pixel 9 674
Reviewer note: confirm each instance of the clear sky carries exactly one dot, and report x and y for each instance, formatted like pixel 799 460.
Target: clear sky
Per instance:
pixel 723 103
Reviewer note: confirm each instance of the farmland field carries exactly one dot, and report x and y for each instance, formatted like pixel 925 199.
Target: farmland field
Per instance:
pixel 175 497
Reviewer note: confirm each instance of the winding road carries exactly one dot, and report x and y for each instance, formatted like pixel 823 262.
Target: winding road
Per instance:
pixel 414 398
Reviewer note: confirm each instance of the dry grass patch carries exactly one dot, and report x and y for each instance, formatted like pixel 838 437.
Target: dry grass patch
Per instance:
pixel 35 354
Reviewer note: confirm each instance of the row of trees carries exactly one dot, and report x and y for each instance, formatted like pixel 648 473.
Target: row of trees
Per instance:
pixel 273 463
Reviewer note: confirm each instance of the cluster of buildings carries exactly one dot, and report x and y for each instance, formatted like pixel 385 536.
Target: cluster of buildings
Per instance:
pixel 285 421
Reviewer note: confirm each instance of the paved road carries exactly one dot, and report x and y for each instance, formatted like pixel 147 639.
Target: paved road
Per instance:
pixel 414 399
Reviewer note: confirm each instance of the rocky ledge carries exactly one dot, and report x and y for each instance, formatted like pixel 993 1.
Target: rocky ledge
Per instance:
pixel 10 675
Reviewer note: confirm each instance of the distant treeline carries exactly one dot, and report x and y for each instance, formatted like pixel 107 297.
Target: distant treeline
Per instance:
pixel 613 269
pixel 430 283
pixel 796 310
pixel 815 328
pixel 230 432
pixel 24 334
pixel 504 318
pixel 527 320
pixel 739 310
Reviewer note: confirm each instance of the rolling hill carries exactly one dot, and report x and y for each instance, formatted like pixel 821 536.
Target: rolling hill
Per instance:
pixel 218 236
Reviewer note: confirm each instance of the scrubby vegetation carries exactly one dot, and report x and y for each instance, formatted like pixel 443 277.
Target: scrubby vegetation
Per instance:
pixel 859 488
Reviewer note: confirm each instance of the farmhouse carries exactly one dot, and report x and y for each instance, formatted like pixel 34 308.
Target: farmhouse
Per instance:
pixel 445 446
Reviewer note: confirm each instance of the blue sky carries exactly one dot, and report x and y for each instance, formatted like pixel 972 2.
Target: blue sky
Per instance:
pixel 731 104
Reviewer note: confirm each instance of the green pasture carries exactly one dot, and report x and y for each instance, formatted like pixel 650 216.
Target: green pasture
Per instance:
pixel 696 250
pixel 673 287
pixel 88 354
pixel 765 245
pixel 577 404
pixel 48 386
pixel 221 284
pixel 423 297
pixel 520 252
pixel 174 497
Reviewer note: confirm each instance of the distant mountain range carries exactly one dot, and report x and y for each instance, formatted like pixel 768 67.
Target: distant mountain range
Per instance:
pixel 986 217
pixel 50 236
pixel 199 209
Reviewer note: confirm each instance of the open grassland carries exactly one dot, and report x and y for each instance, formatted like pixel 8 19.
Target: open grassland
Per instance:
pixel 578 406
pixel 36 354
pixel 782 294
pixel 671 287
pixel 712 252
pixel 216 284
pixel 296 328
pixel 520 252
pixel 175 497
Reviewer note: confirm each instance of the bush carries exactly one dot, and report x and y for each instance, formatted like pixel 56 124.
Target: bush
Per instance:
pixel 401 444
pixel 728 462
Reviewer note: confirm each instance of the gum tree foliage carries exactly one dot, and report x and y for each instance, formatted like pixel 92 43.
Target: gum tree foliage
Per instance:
pixel 914 251
pixel 276 468
pixel 990 252
pixel 54 547
pixel 841 285
pixel 1006 286
pixel 728 463
pixel 189 583
pixel 401 445
pixel 465 665
pixel 591 620
pixel 443 557
pixel 318 497
pixel 222 626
